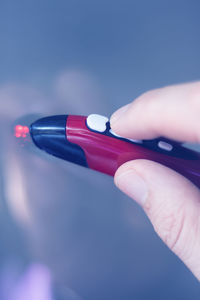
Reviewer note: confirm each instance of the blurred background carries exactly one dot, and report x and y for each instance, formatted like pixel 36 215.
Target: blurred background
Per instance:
pixel 66 232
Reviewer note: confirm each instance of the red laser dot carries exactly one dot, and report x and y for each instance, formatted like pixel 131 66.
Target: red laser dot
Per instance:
pixel 18 128
pixel 25 129
pixel 21 131
pixel 18 135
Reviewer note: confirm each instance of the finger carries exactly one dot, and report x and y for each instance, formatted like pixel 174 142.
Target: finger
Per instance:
pixel 171 203
pixel 172 112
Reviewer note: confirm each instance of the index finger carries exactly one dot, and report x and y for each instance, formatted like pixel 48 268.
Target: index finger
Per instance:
pixel 173 112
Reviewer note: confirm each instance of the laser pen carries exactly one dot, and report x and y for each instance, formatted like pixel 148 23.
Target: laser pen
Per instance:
pixel 90 142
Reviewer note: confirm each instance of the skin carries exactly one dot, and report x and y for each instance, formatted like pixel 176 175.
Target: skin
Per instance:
pixel 171 202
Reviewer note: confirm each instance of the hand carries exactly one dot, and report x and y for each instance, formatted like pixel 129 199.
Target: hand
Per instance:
pixel 171 202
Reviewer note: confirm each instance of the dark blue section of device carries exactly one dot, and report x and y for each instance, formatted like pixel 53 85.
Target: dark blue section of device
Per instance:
pixel 178 150
pixel 49 134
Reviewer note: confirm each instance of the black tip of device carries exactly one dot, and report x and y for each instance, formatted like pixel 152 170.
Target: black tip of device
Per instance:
pixel 54 125
pixel 49 134
pixel 46 129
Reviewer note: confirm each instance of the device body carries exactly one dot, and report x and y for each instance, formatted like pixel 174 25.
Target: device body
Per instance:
pixel 90 142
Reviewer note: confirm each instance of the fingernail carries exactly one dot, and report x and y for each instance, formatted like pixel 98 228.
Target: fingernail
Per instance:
pixel 133 185
pixel 118 114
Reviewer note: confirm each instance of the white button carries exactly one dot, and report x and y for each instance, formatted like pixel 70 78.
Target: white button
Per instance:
pixel 117 135
pixel 165 146
pixel 97 122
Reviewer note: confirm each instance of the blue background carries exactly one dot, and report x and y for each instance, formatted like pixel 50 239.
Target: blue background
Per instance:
pixel 126 48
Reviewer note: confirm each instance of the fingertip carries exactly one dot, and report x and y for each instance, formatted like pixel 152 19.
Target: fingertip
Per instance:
pixel 154 114
pixel 118 114
pixel 160 181
pixel 134 119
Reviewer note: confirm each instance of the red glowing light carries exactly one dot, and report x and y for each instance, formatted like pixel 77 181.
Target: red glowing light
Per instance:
pixel 21 131
pixel 26 129
pixel 17 134
pixel 18 128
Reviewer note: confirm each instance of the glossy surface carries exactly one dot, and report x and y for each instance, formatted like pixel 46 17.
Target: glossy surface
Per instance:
pixel 106 153
pixel 49 134
pixel 165 146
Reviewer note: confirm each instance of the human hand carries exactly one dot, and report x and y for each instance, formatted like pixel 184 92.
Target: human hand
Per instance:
pixel 171 202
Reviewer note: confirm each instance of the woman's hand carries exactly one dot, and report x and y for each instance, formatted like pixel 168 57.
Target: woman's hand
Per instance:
pixel 171 202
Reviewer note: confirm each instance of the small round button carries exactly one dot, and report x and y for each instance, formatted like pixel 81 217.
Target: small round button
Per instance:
pixel 165 146
pixel 97 122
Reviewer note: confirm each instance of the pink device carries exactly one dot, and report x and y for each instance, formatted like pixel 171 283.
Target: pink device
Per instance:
pixel 90 142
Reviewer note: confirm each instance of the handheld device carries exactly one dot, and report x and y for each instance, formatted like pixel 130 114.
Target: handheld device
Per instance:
pixel 90 142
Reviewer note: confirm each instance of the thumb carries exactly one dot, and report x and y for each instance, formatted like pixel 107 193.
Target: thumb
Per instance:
pixel 171 203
